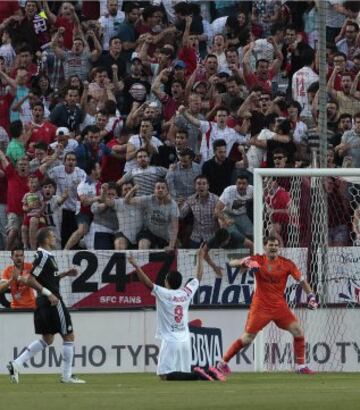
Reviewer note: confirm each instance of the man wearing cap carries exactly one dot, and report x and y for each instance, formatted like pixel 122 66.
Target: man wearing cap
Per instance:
pixel 136 87
pixel 179 70
pixel 63 139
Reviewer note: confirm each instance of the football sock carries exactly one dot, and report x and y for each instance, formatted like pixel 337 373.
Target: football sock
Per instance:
pixel 68 355
pixel 30 351
pixel 233 349
pixel 299 349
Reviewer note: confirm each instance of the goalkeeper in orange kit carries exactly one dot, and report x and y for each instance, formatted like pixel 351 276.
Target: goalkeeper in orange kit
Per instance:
pixel 269 304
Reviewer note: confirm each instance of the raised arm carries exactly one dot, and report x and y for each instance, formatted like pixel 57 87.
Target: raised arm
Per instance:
pixel 143 277
pixel 353 91
pixel 331 84
pixel 246 60
pixel 3 160
pixel 96 53
pixel 174 229
pixel 51 16
pixel 8 79
pixel 156 87
pixel 186 34
pixel 201 254
pixel 279 58
pixel 59 52
pixel 182 110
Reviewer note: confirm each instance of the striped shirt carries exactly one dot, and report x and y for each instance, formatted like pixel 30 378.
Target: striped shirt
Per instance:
pixel 145 178
pixel 67 181
pixel 205 223
pixel 110 26
pixel 77 64
pixel 181 180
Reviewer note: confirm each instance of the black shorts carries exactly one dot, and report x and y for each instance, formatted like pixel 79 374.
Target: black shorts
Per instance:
pixel 51 319
pixel 156 241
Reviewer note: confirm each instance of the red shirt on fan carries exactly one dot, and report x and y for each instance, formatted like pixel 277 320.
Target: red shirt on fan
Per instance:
pixel 32 70
pixel 188 56
pixel 279 200
pixel 5 103
pixel 3 188
pixel 112 168
pixel 7 9
pixel 45 132
pixel 17 188
pixel 252 80
pixel 69 29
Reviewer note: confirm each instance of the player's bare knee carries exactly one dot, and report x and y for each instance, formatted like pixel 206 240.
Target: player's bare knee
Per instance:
pixel 296 330
pixel 69 338
pixel 247 338
pixel 48 339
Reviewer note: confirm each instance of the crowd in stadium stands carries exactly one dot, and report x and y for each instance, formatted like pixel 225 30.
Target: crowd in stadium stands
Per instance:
pixel 129 125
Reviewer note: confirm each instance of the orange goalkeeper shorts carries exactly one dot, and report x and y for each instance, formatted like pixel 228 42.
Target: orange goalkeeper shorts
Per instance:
pixel 258 318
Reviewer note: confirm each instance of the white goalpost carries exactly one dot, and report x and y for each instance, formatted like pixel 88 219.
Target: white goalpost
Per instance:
pixel 314 213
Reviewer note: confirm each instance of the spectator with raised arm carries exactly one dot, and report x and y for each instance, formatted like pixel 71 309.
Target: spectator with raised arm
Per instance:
pixel 213 131
pixel 87 192
pixel 264 70
pixel 77 61
pixel 161 220
pixel 130 216
pixel 231 211
pixel 144 139
pixel 144 175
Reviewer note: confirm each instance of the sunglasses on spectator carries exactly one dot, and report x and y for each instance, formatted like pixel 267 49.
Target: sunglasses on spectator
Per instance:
pixel 264 99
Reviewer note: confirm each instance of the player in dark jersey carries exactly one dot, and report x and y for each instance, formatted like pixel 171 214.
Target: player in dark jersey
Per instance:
pixel 51 315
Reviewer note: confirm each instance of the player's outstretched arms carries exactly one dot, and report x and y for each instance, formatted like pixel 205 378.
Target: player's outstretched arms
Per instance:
pixel 141 274
pixel 244 263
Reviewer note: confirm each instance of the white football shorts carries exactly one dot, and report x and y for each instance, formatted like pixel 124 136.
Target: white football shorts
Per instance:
pixel 174 357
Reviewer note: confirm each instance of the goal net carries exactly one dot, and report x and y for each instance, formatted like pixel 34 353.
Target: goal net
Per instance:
pixel 315 214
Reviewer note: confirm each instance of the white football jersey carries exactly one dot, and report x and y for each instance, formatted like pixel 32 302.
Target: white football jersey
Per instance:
pixel 172 307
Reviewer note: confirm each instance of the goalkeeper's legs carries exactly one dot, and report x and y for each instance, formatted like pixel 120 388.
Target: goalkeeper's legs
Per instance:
pixel 256 321
pixel 299 347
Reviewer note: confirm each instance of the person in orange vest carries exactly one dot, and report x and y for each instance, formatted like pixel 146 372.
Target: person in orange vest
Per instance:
pixel 14 278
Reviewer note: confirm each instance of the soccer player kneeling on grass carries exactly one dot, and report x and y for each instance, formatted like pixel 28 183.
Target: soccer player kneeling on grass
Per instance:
pixel 269 304
pixel 51 315
pixel 172 305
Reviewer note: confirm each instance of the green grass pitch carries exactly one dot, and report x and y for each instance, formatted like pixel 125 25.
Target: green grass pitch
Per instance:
pixel 272 391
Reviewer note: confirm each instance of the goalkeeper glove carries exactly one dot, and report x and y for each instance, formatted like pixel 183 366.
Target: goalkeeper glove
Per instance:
pixel 312 304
